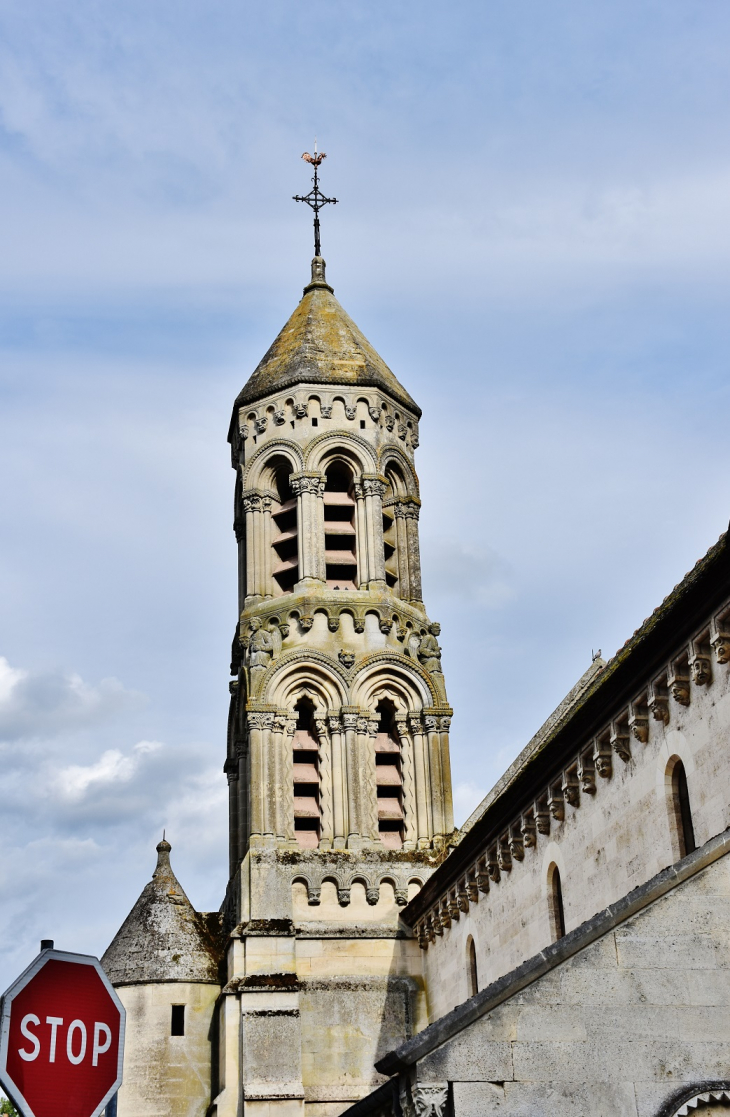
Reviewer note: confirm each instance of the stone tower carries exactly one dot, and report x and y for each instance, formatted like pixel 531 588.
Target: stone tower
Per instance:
pixel 338 755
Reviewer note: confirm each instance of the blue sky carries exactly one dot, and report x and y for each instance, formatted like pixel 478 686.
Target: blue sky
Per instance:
pixel 533 231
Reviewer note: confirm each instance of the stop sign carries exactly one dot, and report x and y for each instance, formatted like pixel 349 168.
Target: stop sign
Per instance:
pixel 61 1037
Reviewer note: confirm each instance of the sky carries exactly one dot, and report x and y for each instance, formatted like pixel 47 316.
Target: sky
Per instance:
pixel 533 231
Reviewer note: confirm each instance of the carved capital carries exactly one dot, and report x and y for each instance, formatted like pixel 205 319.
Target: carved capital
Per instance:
pixel 431 1100
pixel 373 486
pixel 362 725
pixel 349 721
pixel 260 720
pixel 251 502
pixel 313 483
pixel 334 723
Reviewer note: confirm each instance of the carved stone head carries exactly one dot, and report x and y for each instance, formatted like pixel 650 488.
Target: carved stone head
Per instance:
pixel 255 624
pixel 435 629
pixel 701 670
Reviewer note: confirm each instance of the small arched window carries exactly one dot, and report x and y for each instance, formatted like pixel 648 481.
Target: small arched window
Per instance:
pixel 471 967
pixel 555 903
pixel 340 551
pixel 681 812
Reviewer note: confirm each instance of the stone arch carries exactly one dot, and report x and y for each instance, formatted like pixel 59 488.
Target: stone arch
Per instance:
pixel 385 674
pixel 349 447
pixel 255 472
pixel 305 672
pixel 710 1097
pixel 392 458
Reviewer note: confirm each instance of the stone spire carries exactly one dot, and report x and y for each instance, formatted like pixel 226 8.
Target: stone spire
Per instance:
pixel 163 938
pixel 320 344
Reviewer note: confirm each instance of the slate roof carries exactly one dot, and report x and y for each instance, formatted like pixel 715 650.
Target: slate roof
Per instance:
pixel 320 344
pixel 163 938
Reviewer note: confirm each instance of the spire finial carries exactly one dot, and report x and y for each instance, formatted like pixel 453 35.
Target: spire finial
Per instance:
pixel 315 199
pixel 163 856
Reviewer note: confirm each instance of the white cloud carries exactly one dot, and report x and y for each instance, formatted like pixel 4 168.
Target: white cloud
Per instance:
pixel 111 768
pixel 47 703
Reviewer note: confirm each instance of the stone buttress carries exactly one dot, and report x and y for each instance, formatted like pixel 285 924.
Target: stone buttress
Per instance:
pixel 338 743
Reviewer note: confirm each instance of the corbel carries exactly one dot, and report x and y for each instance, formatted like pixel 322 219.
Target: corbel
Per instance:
pixel 504 856
pixel 516 843
pixel 602 757
pixel 700 664
pixel 639 719
pixel 678 680
pixel 472 887
pixel 556 802
pixel 720 637
pixel 462 896
pixel 658 700
pixel 586 773
pixel 620 739
pixel 493 865
pixel 570 788
pixel 542 816
pixel 482 876
pixel 528 830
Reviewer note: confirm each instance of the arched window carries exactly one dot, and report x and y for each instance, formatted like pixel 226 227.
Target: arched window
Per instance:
pixel 340 552
pixel 471 967
pixel 389 778
pixel 307 810
pixel 284 542
pixel 680 810
pixel 555 903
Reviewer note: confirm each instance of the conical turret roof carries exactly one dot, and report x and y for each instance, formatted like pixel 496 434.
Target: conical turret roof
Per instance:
pixel 320 344
pixel 163 938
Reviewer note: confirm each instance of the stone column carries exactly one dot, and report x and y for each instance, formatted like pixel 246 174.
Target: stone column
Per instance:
pixel 259 725
pixel 423 783
pixel 287 779
pixel 231 769
pixel 339 785
pixel 277 768
pixel 401 551
pixel 415 593
pixel 239 526
pixel 252 511
pixel 244 787
pixel 434 757
pixel 267 563
pixel 349 723
pixel 325 783
pixel 374 488
pixel 410 838
pixel 309 489
pixel 448 806
pixel 367 729
pixel 361 537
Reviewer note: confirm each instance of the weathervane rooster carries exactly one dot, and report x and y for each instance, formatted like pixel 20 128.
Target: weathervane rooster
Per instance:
pixel 315 198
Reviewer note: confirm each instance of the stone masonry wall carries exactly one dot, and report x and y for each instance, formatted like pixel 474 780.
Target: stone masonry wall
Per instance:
pixel 610 843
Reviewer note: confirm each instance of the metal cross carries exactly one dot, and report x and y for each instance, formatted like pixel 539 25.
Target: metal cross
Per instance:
pixel 315 198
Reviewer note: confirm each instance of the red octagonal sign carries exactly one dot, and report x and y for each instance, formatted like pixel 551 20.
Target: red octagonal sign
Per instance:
pixel 61 1037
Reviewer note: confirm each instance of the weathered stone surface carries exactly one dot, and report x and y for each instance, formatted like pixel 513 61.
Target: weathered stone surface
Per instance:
pixel 163 938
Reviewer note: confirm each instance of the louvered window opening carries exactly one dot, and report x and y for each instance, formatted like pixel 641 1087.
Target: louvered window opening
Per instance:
pixel 389 781
pixel 307 789
pixel 389 543
pixel 340 548
pixel 285 536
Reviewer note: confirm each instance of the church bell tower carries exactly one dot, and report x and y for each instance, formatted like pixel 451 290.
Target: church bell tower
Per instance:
pixel 338 743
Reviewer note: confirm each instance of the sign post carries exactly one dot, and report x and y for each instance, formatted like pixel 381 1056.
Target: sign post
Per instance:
pixel 61 1037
